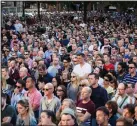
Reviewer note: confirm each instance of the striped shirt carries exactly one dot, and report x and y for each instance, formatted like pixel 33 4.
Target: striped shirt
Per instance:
pixel 130 80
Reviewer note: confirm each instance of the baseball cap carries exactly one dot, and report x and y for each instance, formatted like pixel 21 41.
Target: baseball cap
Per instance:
pixel 68 111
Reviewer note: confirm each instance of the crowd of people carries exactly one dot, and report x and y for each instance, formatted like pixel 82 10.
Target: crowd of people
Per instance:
pixel 69 73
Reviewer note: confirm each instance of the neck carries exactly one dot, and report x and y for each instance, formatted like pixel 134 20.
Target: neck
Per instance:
pixel 50 96
pixel 86 100
pixel 105 123
pixel 95 86
pixel 106 85
pixel 82 63
pixel 133 74
pixel 30 90
pixel 123 95
pixel 23 116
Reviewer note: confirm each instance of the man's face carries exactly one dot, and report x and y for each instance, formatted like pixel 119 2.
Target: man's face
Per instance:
pixel 80 59
pixel 121 89
pixel 91 79
pixel 131 68
pixel 67 120
pixel 19 87
pixel 126 113
pixel 48 90
pixel 106 59
pixel 41 71
pixel 29 83
pixel 84 94
pixel 100 117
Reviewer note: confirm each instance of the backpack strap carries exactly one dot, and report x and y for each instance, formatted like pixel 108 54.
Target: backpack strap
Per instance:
pixel 123 101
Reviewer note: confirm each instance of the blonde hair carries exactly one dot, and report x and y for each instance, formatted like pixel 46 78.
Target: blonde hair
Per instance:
pixel 76 83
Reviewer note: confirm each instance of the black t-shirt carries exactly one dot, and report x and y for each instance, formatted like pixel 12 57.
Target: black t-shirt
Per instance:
pixel 99 96
pixel 9 111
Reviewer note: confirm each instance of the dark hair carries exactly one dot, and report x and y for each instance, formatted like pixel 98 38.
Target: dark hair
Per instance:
pixel 4 67
pixel 104 110
pixel 81 54
pixel 22 82
pixel 133 63
pixel 126 121
pixel 64 90
pixel 112 105
pixel 130 107
pixel 50 114
pixel 109 77
pixel 43 66
pixel 96 75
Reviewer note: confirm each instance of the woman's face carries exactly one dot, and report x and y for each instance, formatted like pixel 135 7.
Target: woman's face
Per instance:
pixel 44 118
pixel 21 109
pixel 59 91
pixel 65 104
pixel 73 77
pixel 54 82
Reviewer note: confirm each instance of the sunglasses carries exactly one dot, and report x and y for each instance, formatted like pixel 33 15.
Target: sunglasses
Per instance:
pixel 82 85
pixel 131 67
pixel 26 54
pixel 73 76
pixel 18 87
pixel 46 89
pixel 59 90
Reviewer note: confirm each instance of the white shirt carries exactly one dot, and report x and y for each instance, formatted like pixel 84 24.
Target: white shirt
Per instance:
pixel 81 71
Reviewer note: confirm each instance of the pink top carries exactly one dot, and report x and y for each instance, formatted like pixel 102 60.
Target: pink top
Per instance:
pixel 34 97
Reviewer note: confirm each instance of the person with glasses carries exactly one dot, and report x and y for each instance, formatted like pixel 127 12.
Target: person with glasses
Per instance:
pixel 131 77
pixel 72 87
pixel 18 93
pixel 25 114
pixel 49 101
pixel 61 92
pixel 106 84
pixel 121 97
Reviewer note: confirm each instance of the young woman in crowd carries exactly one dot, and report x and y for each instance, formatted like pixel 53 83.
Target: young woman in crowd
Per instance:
pixel 25 114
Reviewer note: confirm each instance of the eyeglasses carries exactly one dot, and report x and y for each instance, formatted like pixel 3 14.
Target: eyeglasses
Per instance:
pixel 73 76
pixel 59 90
pixel 46 89
pixel 26 54
pixel 82 85
pixel 18 87
pixel 131 67
pixel 65 62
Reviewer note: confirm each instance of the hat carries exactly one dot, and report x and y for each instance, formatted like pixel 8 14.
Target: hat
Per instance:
pixel 68 111
pixel 21 56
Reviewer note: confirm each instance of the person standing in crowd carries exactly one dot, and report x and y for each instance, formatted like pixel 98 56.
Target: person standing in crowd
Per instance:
pixel 85 107
pixel 83 68
pixel 18 93
pixel 47 118
pixel 49 101
pixel 121 97
pixel 23 72
pixel 34 96
pixel 98 100
pixel 102 116
pixel 26 116
pixel 112 108
pixel 131 77
pixel 43 74
pixel 8 113
pixel 68 118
